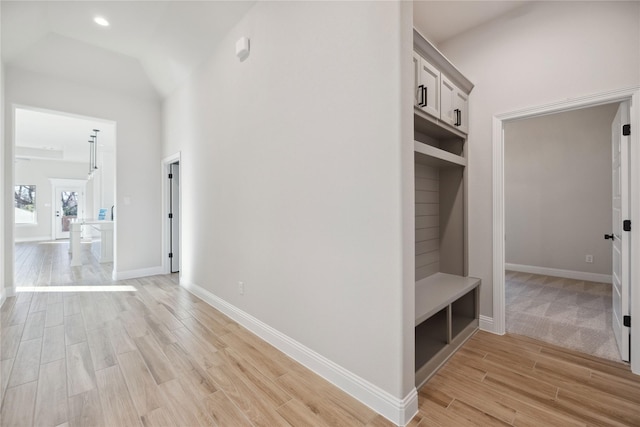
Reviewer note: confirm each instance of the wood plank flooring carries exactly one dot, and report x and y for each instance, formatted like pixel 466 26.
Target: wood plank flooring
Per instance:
pixel 159 356
pixel 517 381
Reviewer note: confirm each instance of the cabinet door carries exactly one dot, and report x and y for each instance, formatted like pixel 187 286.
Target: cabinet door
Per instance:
pixel 447 101
pixel 430 80
pixel 417 91
pixel 461 103
pixel 454 105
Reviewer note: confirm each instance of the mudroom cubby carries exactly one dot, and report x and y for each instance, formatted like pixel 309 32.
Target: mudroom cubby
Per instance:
pixel 446 299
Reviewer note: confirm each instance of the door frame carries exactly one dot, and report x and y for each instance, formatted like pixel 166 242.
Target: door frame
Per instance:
pixel 71 183
pixel 166 227
pixel 628 94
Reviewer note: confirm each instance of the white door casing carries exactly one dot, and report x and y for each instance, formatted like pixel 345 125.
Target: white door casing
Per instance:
pixel 175 216
pixel 621 239
pixel 167 205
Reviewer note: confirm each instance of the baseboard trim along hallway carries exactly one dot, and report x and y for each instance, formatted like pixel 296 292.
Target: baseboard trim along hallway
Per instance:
pixel 398 411
pixel 557 272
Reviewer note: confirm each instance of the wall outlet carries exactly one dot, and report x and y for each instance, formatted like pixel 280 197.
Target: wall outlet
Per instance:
pixel 589 259
pixel 241 288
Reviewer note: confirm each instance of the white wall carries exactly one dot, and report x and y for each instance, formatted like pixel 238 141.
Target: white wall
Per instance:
pixel 138 146
pixel 3 259
pixel 538 54
pixel 292 179
pixel 38 172
pixel 558 190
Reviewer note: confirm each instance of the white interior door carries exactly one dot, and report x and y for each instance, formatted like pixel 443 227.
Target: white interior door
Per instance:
pixel 69 204
pixel 621 238
pixel 174 216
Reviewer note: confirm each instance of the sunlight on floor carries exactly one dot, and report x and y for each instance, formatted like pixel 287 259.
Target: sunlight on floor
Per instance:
pixel 76 289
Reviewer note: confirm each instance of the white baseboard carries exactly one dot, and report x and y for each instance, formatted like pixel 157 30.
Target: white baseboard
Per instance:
pixel 398 411
pixel 132 274
pixel 486 324
pixel 33 239
pixel 556 272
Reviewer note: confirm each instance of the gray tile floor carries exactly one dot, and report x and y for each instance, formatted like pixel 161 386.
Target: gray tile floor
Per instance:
pixel 570 313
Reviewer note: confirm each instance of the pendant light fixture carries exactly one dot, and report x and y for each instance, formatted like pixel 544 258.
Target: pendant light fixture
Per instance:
pixel 93 152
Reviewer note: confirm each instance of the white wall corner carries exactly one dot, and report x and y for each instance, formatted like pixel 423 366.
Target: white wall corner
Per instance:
pixel 133 274
pixel 398 411
pixel 5 293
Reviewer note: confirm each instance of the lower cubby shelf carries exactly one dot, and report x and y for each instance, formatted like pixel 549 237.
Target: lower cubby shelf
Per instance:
pixel 446 316
pixel 431 337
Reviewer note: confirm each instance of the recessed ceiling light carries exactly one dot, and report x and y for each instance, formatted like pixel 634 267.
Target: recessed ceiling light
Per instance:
pixel 101 21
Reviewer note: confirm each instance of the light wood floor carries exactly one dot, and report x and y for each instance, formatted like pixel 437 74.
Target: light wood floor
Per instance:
pixel 517 381
pixel 160 356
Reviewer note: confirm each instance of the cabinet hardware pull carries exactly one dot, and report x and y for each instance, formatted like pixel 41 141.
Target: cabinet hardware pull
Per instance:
pixel 423 96
pixel 458 117
pixel 609 236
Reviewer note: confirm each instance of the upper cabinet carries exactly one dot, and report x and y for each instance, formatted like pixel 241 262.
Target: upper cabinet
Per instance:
pixel 441 92
pixel 427 86
pixel 454 105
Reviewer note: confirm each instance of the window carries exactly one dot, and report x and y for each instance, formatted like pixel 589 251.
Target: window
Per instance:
pixel 25 204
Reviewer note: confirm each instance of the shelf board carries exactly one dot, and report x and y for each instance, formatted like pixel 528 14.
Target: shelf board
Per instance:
pixel 427 124
pixel 435 292
pixel 432 156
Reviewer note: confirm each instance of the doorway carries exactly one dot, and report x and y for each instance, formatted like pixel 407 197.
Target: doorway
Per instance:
pixel 54 156
pixel 631 95
pixel 69 203
pixel 172 229
pixel 557 209
pixel 174 216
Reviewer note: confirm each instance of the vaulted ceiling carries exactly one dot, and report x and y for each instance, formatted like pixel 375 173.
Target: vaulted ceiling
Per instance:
pixel 149 48
pixel 442 20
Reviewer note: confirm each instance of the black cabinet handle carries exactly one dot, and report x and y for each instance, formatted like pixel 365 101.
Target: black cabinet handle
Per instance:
pixel 609 236
pixel 423 96
pixel 458 114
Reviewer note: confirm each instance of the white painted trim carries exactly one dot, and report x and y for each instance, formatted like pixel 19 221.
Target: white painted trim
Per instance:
pixel 487 324
pixel 398 411
pixel 132 274
pixel 33 239
pixel 557 272
pixel 176 157
pixel 634 158
pixel 498 228
pixel 632 94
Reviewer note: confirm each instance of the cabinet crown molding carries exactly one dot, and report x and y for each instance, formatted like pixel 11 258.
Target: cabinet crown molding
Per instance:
pixel 429 51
